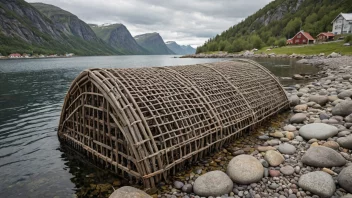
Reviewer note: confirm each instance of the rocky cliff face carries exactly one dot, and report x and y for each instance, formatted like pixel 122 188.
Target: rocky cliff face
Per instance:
pixel 153 43
pixel 25 29
pixel 19 19
pixel 66 22
pixel 180 49
pixel 279 12
pixel 118 37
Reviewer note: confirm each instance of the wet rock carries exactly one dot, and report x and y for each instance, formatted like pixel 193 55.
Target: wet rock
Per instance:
pixel 345 179
pixel 287 170
pixel 287 149
pixel 319 99
pixel 318 182
pixel 345 142
pixel 213 183
pixel 318 131
pixel 245 169
pixel 321 156
pixel 343 108
pixel 297 77
pixel 274 158
pixel 128 192
pixel 298 118
pixel 264 163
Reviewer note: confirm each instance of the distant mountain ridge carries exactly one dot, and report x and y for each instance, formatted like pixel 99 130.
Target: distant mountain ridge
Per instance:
pixel 40 28
pixel 180 49
pixel 153 43
pixel 118 37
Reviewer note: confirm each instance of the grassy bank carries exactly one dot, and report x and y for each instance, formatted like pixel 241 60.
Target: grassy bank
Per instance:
pixel 326 48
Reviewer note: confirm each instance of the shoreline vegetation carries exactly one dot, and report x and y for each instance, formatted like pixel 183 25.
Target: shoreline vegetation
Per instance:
pixel 317 126
pixel 335 48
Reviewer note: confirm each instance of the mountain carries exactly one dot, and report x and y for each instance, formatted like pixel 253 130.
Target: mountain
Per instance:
pixel 153 43
pixel 118 37
pixel 180 49
pixel 25 29
pixel 276 22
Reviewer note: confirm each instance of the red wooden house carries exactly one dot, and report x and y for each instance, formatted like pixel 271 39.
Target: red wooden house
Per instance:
pixel 301 38
pixel 325 36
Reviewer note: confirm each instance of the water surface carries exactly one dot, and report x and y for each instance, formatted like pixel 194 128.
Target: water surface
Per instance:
pixel 32 162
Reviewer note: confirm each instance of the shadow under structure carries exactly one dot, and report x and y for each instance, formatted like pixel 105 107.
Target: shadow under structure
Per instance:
pixel 148 123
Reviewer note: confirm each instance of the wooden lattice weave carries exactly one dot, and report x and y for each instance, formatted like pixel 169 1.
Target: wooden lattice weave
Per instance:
pixel 147 123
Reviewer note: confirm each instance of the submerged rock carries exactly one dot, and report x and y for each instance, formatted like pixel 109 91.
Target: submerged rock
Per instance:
pixel 213 183
pixel 245 169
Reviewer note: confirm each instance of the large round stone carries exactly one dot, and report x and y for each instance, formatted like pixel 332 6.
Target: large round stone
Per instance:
pixel 129 192
pixel 344 108
pixel 214 183
pixel 345 94
pixel 318 131
pixel 294 100
pixel 274 158
pixel 345 142
pixel 318 182
pixel 298 118
pixel 345 179
pixel 321 156
pixel 322 100
pixel 287 149
pixel 245 169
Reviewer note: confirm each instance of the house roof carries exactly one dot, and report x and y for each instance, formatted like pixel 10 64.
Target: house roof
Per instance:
pixel 347 16
pixel 305 34
pixel 327 34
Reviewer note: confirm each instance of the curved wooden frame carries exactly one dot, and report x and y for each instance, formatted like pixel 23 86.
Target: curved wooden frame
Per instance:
pixel 147 123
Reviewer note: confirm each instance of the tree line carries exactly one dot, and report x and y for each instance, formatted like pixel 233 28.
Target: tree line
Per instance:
pixel 261 29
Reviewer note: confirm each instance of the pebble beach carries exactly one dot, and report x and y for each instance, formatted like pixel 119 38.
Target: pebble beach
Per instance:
pixel 304 152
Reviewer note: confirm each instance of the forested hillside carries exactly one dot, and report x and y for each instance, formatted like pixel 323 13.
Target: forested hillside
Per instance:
pixel 277 21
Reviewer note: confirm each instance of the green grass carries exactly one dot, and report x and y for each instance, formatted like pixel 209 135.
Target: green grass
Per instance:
pixel 312 49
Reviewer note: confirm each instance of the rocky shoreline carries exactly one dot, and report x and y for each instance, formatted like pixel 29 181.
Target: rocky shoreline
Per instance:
pixel 303 153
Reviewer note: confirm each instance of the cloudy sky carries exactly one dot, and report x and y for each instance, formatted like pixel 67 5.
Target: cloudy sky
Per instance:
pixel 184 21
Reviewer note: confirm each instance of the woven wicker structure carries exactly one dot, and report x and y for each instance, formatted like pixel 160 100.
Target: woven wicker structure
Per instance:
pixel 147 123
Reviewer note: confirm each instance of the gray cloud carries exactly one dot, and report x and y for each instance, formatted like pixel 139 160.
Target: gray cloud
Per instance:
pixel 184 21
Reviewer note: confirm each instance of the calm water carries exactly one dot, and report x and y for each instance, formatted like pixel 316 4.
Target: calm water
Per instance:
pixel 32 162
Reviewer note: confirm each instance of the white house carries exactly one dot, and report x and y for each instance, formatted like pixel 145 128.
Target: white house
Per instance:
pixel 342 24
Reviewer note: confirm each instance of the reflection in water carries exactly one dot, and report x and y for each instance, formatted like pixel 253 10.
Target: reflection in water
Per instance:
pixel 32 162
